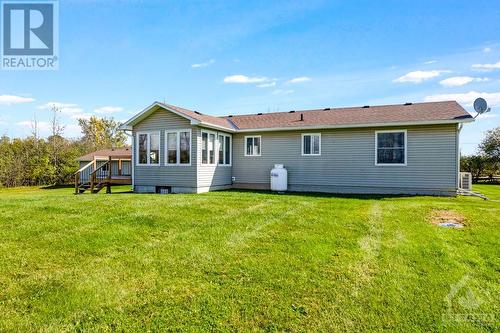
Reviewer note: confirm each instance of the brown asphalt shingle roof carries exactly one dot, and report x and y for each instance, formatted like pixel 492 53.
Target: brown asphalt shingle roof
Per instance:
pixel 115 153
pixel 417 112
pixel 448 111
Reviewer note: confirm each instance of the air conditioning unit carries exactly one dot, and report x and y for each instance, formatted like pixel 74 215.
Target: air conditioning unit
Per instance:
pixel 465 181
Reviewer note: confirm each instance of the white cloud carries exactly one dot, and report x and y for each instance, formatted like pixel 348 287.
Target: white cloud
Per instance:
pixel 487 50
pixel 486 116
pixel 245 79
pixel 109 109
pixel 43 127
pixel 65 108
pixel 204 64
pixel 458 81
pixel 299 79
pixel 11 99
pixel 282 92
pixel 72 131
pixel 266 85
pixel 486 67
pixel 430 62
pixel 85 116
pixel 467 98
pixel 420 76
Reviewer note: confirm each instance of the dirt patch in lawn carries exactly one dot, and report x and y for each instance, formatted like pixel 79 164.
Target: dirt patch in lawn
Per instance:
pixel 447 219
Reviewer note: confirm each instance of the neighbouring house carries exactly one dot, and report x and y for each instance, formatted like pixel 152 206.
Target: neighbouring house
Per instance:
pixel 104 168
pixel 390 149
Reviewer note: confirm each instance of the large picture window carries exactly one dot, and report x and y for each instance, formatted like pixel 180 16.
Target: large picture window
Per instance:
pixel 208 141
pixel 253 145
pixel 390 147
pixel 178 147
pixel 311 144
pixel 148 152
pixel 224 149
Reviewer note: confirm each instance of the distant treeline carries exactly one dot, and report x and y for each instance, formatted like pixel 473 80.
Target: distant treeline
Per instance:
pixel 485 165
pixel 46 161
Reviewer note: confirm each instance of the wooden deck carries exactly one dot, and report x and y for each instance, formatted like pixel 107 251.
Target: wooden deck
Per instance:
pixel 93 177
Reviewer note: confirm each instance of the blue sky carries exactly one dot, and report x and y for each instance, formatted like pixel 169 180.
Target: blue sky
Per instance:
pixel 116 57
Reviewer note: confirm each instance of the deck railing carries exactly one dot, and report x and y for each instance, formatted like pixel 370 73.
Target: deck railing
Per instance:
pixel 99 173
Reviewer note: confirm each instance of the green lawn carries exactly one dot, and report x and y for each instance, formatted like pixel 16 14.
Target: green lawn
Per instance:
pixel 246 261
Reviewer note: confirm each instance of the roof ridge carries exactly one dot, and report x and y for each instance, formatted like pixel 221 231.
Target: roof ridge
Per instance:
pixel 338 108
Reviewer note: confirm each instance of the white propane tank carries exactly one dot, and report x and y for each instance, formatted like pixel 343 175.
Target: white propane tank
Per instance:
pixel 279 178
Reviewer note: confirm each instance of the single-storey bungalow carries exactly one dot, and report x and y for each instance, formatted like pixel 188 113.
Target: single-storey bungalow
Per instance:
pixel 410 148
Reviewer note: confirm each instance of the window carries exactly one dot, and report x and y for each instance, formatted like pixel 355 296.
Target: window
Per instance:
pixel 390 147
pixel 311 144
pixel 148 152
pixel 204 147
pixel 185 147
pixel 178 147
pixel 224 149
pixel 252 145
pixel 211 148
pixel 208 148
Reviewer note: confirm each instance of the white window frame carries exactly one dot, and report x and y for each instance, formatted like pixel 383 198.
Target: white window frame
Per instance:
pixel 178 133
pixel 216 151
pixel 245 145
pixel 302 144
pixel 148 150
pixel 405 148
pixel 224 135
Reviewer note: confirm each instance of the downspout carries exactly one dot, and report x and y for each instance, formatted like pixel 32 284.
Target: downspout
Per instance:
pixel 459 128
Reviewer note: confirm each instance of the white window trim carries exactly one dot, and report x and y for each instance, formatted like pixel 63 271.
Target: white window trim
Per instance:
pixel 230 149
pixel 302 144
pixel 405 148
pixel 245 145
pixel 178 131
pixel 216 157
pixel 148 146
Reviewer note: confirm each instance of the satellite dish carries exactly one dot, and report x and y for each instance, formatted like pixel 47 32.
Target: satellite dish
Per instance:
pixel 481 106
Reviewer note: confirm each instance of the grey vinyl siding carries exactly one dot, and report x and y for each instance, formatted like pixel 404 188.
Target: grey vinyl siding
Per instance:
pixel 212 175
pixel 162 175
pixel 347 161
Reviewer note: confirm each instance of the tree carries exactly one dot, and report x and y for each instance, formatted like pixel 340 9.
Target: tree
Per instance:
pixel 477 165
pixel 101 133
pixel 490 145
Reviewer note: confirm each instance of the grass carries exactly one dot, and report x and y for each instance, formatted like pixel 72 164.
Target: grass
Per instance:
pixel 246 261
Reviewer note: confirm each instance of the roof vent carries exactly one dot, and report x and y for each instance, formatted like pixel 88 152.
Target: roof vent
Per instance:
pixel 292 111
pixel 408 104
pixel 326 109
pixel 366 107
pixel 259 114
pixel 198 112
pixel 301 117
pixel 230 116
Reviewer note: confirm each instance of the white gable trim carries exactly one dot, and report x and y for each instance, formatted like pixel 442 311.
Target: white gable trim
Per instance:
pixel 147 111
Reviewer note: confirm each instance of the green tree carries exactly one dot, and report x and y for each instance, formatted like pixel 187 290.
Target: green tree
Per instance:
pixel 490 145
pixel 101 133
pixel 475 164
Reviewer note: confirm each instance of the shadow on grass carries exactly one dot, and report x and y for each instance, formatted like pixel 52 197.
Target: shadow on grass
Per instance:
pixel 56 186
pixel 324 195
